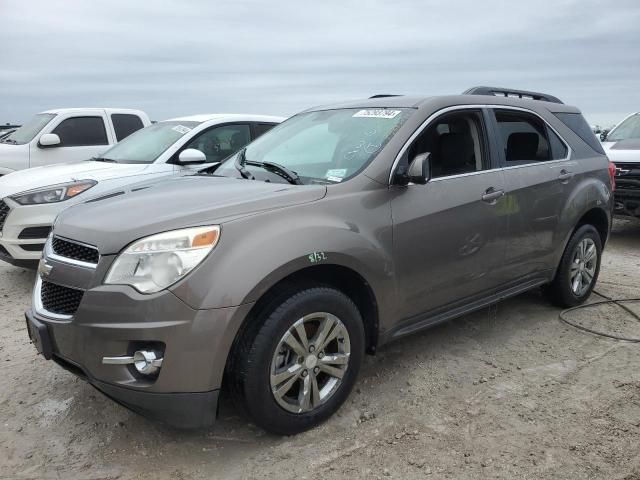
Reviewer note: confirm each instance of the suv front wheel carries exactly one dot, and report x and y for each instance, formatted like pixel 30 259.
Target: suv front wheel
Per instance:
pixel 303 362
pixel 579 267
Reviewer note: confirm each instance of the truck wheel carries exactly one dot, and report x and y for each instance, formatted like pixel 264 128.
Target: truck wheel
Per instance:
pixel 579 268
pixel 302 363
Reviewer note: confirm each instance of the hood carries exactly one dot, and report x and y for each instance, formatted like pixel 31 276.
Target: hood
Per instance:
pixel 623 151
pixel 18 182
pixel 115 221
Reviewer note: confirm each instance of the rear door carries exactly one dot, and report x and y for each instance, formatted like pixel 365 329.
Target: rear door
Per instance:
pixel 81 137
pixel 449 234
pixel 537 171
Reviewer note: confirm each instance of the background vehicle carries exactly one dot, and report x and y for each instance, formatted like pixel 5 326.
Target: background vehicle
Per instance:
pixel 33 198
pixel 622 145
pixel 67 135
pixel 355 224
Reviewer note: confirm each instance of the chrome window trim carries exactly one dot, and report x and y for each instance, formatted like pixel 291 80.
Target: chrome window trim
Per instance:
pixel 49 253
pixel 39 308
pixel 453 108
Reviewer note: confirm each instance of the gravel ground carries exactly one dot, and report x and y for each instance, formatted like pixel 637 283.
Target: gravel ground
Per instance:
pixel 507 392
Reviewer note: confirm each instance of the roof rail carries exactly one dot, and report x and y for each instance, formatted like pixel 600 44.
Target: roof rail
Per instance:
pixel 384 95
pixel 510 92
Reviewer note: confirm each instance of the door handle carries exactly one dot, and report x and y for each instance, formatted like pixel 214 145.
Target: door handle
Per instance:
pixel 565 176
pixel 491 195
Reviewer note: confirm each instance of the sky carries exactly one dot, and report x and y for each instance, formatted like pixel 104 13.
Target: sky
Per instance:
pixel 175 58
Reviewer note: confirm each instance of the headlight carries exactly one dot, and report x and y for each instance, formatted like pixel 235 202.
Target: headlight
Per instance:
pixel 53 193
pixel 157 262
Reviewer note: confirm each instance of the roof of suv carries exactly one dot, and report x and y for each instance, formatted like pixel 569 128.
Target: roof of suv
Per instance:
pixel 401 101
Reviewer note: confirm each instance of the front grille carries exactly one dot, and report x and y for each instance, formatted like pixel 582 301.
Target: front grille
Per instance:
pixel 60 300
pixel 32 233
pixel 75 251
pixel 4 211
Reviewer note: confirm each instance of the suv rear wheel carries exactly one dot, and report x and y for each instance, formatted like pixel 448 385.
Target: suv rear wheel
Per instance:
pixel 579 267
pixel 303 362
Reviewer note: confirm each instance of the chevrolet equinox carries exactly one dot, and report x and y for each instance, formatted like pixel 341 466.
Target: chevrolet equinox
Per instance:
pixel 343 228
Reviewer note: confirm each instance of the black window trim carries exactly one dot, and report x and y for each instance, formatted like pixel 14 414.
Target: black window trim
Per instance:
pixel 104 126
pixel 174 158
pixel 525 163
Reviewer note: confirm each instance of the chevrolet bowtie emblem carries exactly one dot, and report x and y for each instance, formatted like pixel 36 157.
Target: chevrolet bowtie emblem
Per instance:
pixel 44 269
pixel 622 171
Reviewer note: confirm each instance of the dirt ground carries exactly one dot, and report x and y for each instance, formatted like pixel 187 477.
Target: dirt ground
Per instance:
pixel 508 392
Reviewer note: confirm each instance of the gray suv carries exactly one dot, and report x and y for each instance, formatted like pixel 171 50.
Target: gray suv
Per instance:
pixel 342 229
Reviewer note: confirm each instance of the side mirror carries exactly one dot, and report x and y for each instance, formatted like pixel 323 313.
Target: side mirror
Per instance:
pixel 419 170
pixel 603 135
pixel 49 140
pixel 191 156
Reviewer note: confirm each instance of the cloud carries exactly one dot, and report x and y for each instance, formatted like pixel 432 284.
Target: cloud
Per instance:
pixel 181 57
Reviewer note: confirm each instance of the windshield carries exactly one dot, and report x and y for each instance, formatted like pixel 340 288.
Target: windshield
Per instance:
pixel 146 145
pixel 630 128
pixel 29 130
pixel 325 146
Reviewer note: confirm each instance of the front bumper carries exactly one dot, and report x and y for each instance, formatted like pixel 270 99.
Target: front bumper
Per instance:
pixel 113 321
pixel 25 231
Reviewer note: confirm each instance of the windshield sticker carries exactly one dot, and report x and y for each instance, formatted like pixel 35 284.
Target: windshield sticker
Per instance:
pixel 334 179
pixel 377 113
pixel 336 172
pixel 181 129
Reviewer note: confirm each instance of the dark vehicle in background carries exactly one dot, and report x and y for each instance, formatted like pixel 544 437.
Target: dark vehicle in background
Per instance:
pixel 342 229
pixel 622 145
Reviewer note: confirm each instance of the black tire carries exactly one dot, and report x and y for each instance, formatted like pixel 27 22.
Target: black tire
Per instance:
pixel 560 291
pixel 253 357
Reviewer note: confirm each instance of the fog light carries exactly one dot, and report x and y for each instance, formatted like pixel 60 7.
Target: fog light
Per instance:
pixel 146 362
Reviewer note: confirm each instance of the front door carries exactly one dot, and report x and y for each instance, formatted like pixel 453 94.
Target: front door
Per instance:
pixel 449 234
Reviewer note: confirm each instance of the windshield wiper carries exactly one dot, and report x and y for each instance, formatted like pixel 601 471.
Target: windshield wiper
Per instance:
pixel 280 170
pixel 9 140
pixel 240 162
pixel 102 159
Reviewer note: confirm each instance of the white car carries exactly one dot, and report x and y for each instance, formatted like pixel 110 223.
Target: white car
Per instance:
pixel 622 145
pixel 33 198
pixel 66 135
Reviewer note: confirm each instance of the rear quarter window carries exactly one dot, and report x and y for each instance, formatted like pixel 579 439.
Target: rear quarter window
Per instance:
pixel 579 126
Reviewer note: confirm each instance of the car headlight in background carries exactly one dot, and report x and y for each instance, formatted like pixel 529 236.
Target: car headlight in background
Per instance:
pixel 157 262
pixel 53 193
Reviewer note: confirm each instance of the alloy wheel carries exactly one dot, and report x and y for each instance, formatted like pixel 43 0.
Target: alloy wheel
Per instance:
pixel 310 362
pixel 583 266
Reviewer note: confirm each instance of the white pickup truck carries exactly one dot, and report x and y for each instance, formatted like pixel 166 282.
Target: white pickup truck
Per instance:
pixel 67 135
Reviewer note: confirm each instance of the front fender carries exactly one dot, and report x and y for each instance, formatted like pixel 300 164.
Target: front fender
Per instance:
pixel 257 252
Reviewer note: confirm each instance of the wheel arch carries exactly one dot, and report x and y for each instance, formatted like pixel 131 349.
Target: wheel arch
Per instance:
pixel 343 278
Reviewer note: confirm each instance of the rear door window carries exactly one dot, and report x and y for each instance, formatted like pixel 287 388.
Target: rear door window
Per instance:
pixel 124 124
pixel 524 137
pixel 81 132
